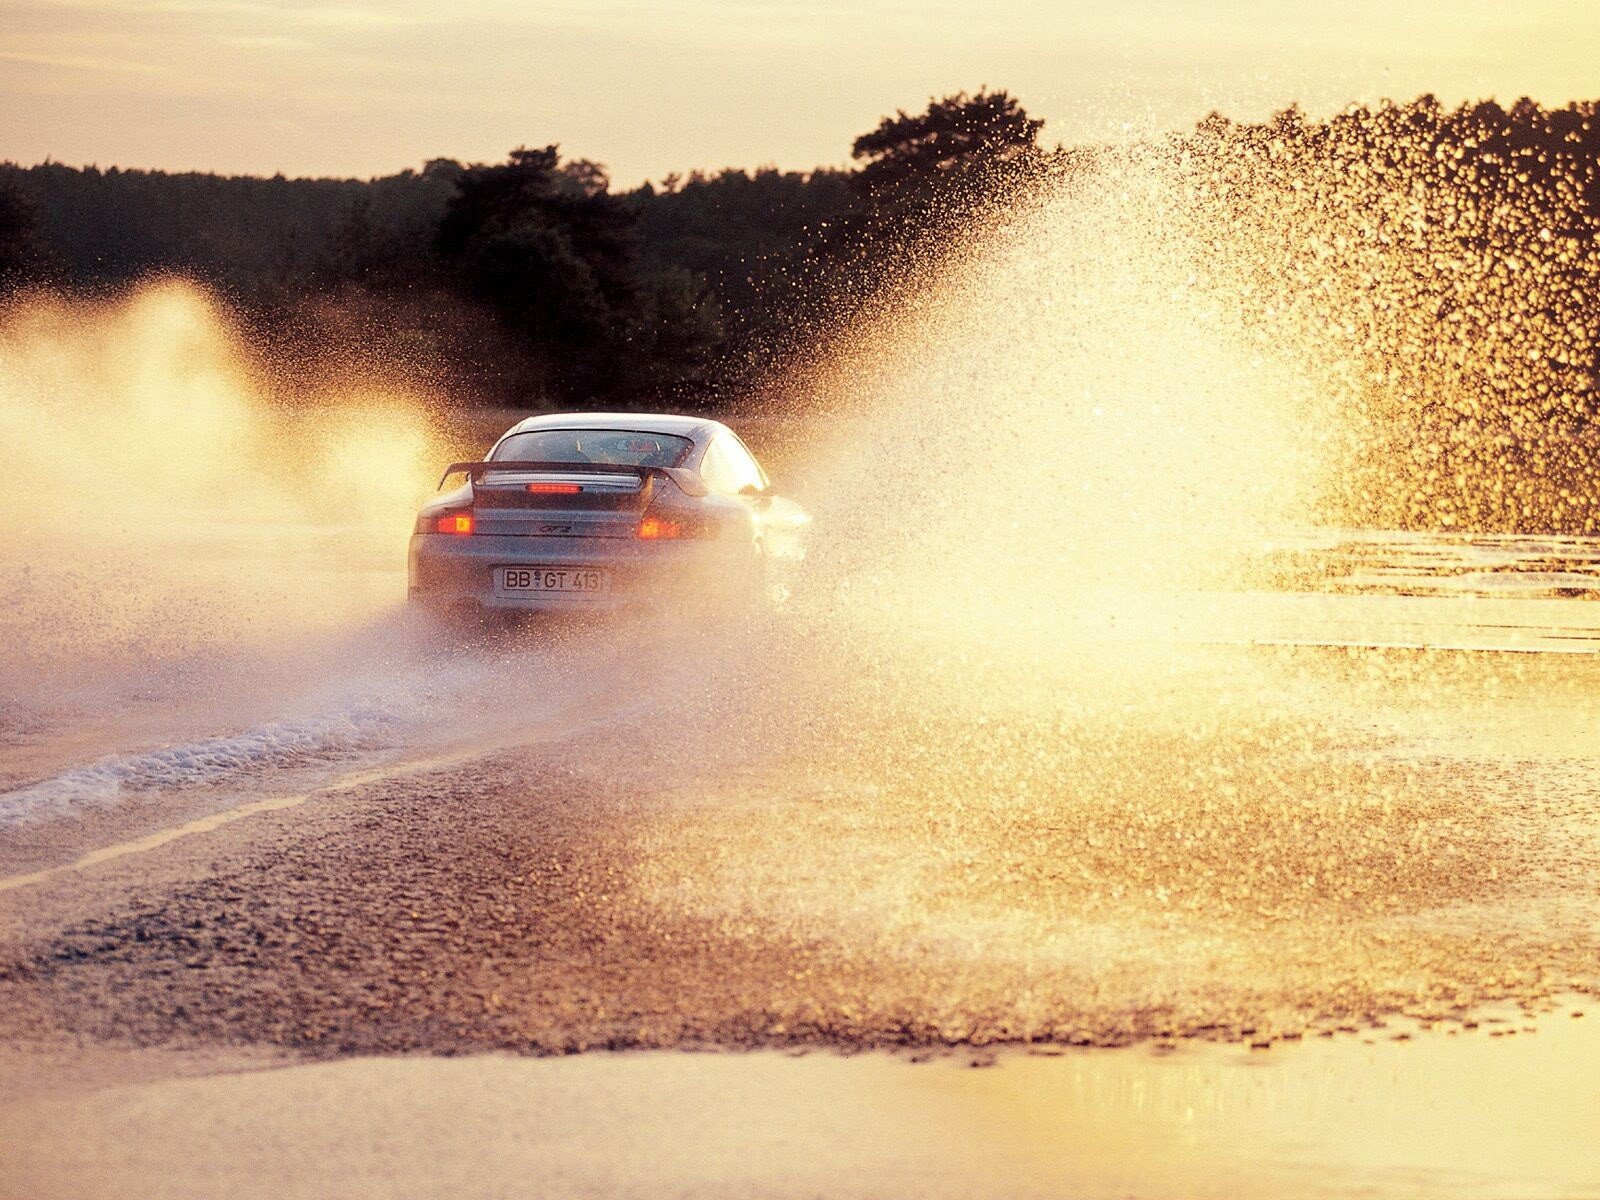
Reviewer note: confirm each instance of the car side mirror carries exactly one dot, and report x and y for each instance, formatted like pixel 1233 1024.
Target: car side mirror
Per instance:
pixel 751 492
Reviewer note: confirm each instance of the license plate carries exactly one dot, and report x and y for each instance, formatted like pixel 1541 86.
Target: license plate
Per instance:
pixel 582 580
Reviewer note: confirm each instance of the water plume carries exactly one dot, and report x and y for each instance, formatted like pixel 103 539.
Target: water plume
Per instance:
pixel 1000 769
pixel 164 497
pixel 1439 269
pixel 1025 779
pixel 1071 432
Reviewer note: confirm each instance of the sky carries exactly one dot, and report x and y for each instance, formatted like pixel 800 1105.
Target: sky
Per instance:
pixel 365 87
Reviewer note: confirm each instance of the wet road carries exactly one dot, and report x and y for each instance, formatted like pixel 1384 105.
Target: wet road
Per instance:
pixel 704 871
pixel 802 835
pixel 1486 1113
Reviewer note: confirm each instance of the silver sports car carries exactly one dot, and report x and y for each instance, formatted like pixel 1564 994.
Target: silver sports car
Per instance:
pixel 600 511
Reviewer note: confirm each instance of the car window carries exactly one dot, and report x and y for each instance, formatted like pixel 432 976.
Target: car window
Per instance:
pixel 620 447
pixel 728 467
pixel 717 471
pixel 747 472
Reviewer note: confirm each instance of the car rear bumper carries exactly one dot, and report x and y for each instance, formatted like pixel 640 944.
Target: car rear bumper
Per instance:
pixel 446 571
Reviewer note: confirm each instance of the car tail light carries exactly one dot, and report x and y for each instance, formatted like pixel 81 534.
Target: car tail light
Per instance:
pixel 655 526
pixel 658 527
pixel 457 522
pixel 555 489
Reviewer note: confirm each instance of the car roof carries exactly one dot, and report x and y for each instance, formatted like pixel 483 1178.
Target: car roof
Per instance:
pixel 699 429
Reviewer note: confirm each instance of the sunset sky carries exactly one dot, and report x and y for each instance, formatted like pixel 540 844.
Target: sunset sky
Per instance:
pixel 370 86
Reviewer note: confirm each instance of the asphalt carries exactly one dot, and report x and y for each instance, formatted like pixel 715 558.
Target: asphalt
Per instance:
pixel 1103 874
pixel 862 865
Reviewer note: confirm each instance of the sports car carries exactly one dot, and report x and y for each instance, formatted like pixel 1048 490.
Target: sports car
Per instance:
pixel 595 512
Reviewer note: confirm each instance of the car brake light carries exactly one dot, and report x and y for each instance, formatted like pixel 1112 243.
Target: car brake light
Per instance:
pixel 555 489
pixel 455 523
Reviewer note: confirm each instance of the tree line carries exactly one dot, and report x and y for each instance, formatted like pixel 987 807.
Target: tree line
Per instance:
pixel 539 283
pixel 534 279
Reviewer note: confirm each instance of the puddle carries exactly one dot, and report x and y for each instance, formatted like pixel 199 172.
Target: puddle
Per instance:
pixel 1509 1109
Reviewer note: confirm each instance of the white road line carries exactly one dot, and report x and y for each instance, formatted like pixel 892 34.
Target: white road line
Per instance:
pixel 216 821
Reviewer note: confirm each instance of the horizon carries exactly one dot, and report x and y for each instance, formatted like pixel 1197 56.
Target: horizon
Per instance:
pixel 358 92
pixel 844 164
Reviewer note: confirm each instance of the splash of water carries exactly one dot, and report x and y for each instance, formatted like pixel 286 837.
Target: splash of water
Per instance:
pixel 1000 799
pixel 1072 434
pixel 952 796
pixel 164 498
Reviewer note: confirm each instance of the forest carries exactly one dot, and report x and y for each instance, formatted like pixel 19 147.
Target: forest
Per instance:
pixel 1450 255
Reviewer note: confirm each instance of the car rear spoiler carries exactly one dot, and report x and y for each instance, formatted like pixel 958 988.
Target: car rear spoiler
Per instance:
pixel 688 482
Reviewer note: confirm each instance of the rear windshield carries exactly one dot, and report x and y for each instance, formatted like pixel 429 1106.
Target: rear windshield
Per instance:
pixel 622 447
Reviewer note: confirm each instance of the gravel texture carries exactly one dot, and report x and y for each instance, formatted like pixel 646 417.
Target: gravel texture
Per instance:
pixel 861 865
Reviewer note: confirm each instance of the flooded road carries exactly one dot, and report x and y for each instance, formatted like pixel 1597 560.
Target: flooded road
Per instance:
pixel 1112 773
pixel 1206 844
pixel 1486 1113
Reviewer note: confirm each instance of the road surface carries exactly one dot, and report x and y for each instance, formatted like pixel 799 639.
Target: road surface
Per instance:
pixel 1223 910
